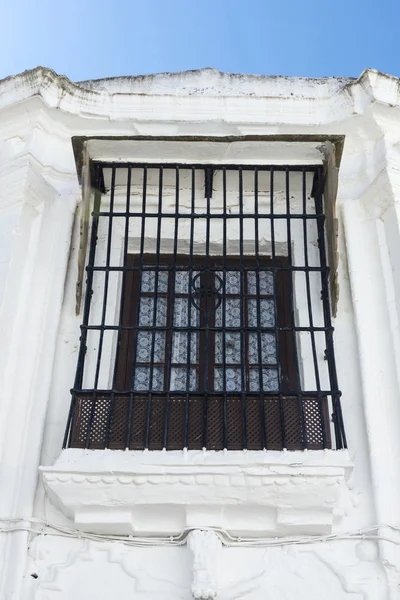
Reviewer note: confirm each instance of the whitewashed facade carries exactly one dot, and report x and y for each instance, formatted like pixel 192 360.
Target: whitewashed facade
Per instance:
pixel 227 525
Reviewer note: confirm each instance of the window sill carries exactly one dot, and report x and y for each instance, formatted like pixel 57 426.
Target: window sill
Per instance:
pixel 255 494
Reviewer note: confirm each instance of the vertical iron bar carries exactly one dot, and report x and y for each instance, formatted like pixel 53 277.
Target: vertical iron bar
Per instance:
pixel 121 306
pixel 155 301
pixel 243 369
pixel 260 362
pixel 170 325
pixel 189 308
pixel 207 316
pixel 208 182
pixel 277 332
pixel 340 435
pixel 137 316
pixel 292 316
pixel 224 252
pixel 309 306
pixel 103 319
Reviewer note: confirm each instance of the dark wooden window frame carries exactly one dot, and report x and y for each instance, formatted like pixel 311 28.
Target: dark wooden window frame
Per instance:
pixel 126 353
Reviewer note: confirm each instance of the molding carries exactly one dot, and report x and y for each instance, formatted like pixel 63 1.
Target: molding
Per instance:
pixel 204 95
pixel 201 149
pixel 246 493
pixel 20 177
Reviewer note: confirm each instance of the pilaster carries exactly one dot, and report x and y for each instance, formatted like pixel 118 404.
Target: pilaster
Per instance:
pixel 37 223
pixel 369 245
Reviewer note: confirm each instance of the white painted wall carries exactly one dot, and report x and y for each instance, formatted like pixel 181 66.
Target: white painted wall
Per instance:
pixel 39 192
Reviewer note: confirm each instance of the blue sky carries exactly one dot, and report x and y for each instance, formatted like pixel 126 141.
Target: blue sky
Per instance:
pixel 89 39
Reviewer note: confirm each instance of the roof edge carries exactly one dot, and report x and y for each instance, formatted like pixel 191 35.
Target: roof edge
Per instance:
pixel 56 89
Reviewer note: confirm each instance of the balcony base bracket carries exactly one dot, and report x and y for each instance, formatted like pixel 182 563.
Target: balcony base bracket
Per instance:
pixel 247 494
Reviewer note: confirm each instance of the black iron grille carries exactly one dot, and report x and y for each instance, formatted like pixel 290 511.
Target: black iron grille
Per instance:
pixel 206 320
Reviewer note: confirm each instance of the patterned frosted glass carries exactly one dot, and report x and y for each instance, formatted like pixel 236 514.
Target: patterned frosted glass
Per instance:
pixel 266 282
pixel 232 282
pixel 233 379
pixel 182 281
pixel 180 346
pixel 268 348
pixel 149 278
pixel 232 347
pixel 233 340
pixel 144 346
pixel 179 379
pixel 146 313
pixel 269 380
pixel 142 379
pixel 181 313
pixel 267 316
pixel 232 313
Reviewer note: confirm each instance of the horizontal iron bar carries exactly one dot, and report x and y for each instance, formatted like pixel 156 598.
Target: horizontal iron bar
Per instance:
pixel 159 268
pixel 236 394
pixel 214 215
pixel 202 166
pixel 195 365
pixel 193 328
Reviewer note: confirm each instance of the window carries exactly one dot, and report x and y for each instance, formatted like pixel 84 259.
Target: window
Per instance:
pixel 201 318
pixel 208 326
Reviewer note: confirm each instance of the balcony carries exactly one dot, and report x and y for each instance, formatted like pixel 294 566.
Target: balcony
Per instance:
pixel 206 322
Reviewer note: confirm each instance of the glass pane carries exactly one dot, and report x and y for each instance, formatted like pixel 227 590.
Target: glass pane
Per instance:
pixel 232 313
pixel 142 379
pixel 179 379
pixel 266 282
pixel 146 313
pixel 268 348
pixel 232 348
pixel 144 346
pixel 182 280
pixel 180 347
pixel 181 313
pixel 267 317
pixel 269 380
pixel 233 380
pixel 232 282
pixel 149 278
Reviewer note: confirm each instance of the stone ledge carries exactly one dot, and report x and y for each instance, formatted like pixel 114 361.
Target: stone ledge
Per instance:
pixel 163 493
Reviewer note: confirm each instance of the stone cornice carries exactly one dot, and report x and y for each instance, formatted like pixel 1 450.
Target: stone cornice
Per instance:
pixel 204 95
pixel 251 493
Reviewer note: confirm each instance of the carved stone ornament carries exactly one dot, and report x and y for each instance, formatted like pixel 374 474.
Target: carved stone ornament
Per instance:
pixel 204 546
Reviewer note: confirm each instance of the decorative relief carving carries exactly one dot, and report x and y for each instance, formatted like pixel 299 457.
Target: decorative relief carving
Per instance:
pixel 218 480
pixel 356 567
pixel 329 571
pixel 81 569
pixel 204 546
